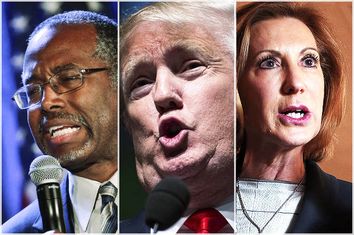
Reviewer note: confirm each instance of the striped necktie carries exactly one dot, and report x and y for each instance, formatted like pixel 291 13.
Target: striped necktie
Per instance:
pixel 109 217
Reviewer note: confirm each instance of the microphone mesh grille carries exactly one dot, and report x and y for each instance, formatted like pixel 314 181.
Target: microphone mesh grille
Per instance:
pixel 45 169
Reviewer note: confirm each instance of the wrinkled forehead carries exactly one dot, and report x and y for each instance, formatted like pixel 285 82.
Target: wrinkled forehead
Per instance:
pixel 155 41
pixel 62 42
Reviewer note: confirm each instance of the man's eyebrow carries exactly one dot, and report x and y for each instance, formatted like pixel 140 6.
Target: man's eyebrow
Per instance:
pixel 55 70
pixel 63 67
pixel 133 61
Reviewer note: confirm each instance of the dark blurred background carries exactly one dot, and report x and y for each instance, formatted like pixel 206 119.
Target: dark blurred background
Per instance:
pixel 132 195
pixel 18 147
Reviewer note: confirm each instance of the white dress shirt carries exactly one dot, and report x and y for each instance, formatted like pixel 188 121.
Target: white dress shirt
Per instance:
pixel 86 203
pixel 226 209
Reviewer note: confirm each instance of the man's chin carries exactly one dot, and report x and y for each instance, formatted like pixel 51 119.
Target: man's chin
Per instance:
pixel 73 164
pixel 69 160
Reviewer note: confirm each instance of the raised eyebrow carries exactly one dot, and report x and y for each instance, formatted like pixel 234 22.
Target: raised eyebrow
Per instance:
pixel 277 53
pixel 273 52
pixel 309 49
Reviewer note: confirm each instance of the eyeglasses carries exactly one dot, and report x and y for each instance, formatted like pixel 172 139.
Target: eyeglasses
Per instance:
pixel 62 82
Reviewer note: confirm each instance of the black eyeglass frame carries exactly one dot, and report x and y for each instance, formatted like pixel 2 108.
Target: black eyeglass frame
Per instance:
pixel 81 71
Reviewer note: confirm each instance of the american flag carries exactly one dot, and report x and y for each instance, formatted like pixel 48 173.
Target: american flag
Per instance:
pixel 18 147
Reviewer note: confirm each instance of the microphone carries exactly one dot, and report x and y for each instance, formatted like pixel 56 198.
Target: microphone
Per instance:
pixel 46 173
pixel 166 203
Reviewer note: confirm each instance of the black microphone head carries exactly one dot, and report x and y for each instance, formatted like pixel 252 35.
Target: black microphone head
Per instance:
pixel 166 203
pixel 45 169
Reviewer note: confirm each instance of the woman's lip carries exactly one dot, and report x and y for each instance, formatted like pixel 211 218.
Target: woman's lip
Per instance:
pixel 295 121
pixel 176 143
pixel 294 108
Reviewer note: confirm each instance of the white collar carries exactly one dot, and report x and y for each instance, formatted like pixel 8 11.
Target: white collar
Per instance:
pixel 83 195
pixel 226 209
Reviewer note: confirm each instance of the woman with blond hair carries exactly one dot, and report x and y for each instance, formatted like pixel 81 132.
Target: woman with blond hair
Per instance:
pixel 290 95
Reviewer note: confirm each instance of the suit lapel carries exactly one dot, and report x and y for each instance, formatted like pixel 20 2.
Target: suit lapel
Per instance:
pixel 313 216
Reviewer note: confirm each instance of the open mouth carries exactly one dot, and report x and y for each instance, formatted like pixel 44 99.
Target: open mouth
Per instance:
pixel 170 129
pixel 173 136
pixel 295 112
pixel 61 130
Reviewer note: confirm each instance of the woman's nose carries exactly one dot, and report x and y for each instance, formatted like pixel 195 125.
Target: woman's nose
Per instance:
pixel 294 79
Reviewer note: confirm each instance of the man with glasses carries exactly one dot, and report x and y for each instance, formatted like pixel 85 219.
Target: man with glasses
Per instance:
pixel 70 94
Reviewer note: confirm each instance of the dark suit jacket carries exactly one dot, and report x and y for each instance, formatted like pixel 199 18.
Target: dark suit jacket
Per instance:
pixel 326 206
pixel 134 225
pixel 29 220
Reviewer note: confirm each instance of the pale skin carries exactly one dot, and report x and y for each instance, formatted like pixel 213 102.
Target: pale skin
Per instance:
pixel 181 74
pixel 283 71
pixel 91 150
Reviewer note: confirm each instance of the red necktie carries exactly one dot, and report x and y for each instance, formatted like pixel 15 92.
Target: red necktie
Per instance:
pixel 206 221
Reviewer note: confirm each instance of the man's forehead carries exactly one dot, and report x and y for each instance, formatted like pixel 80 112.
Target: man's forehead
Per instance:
pixel 59 32
pixel 157 34
pixel 174 52
pixel 58 45
pixel 160 40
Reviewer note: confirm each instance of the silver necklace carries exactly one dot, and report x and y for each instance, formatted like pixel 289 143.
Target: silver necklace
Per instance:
pixel 260 230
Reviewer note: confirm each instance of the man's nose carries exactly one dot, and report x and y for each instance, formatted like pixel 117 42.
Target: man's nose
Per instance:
pixel 294 80
pixel 51 100
pixel 167 91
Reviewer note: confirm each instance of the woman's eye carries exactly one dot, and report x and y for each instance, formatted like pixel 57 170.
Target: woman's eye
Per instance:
pixel 310 61
pixel 268 63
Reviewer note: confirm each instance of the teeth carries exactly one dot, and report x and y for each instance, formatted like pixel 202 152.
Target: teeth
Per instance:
pixel 295 115
pixel 54 128
pixel 64 131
